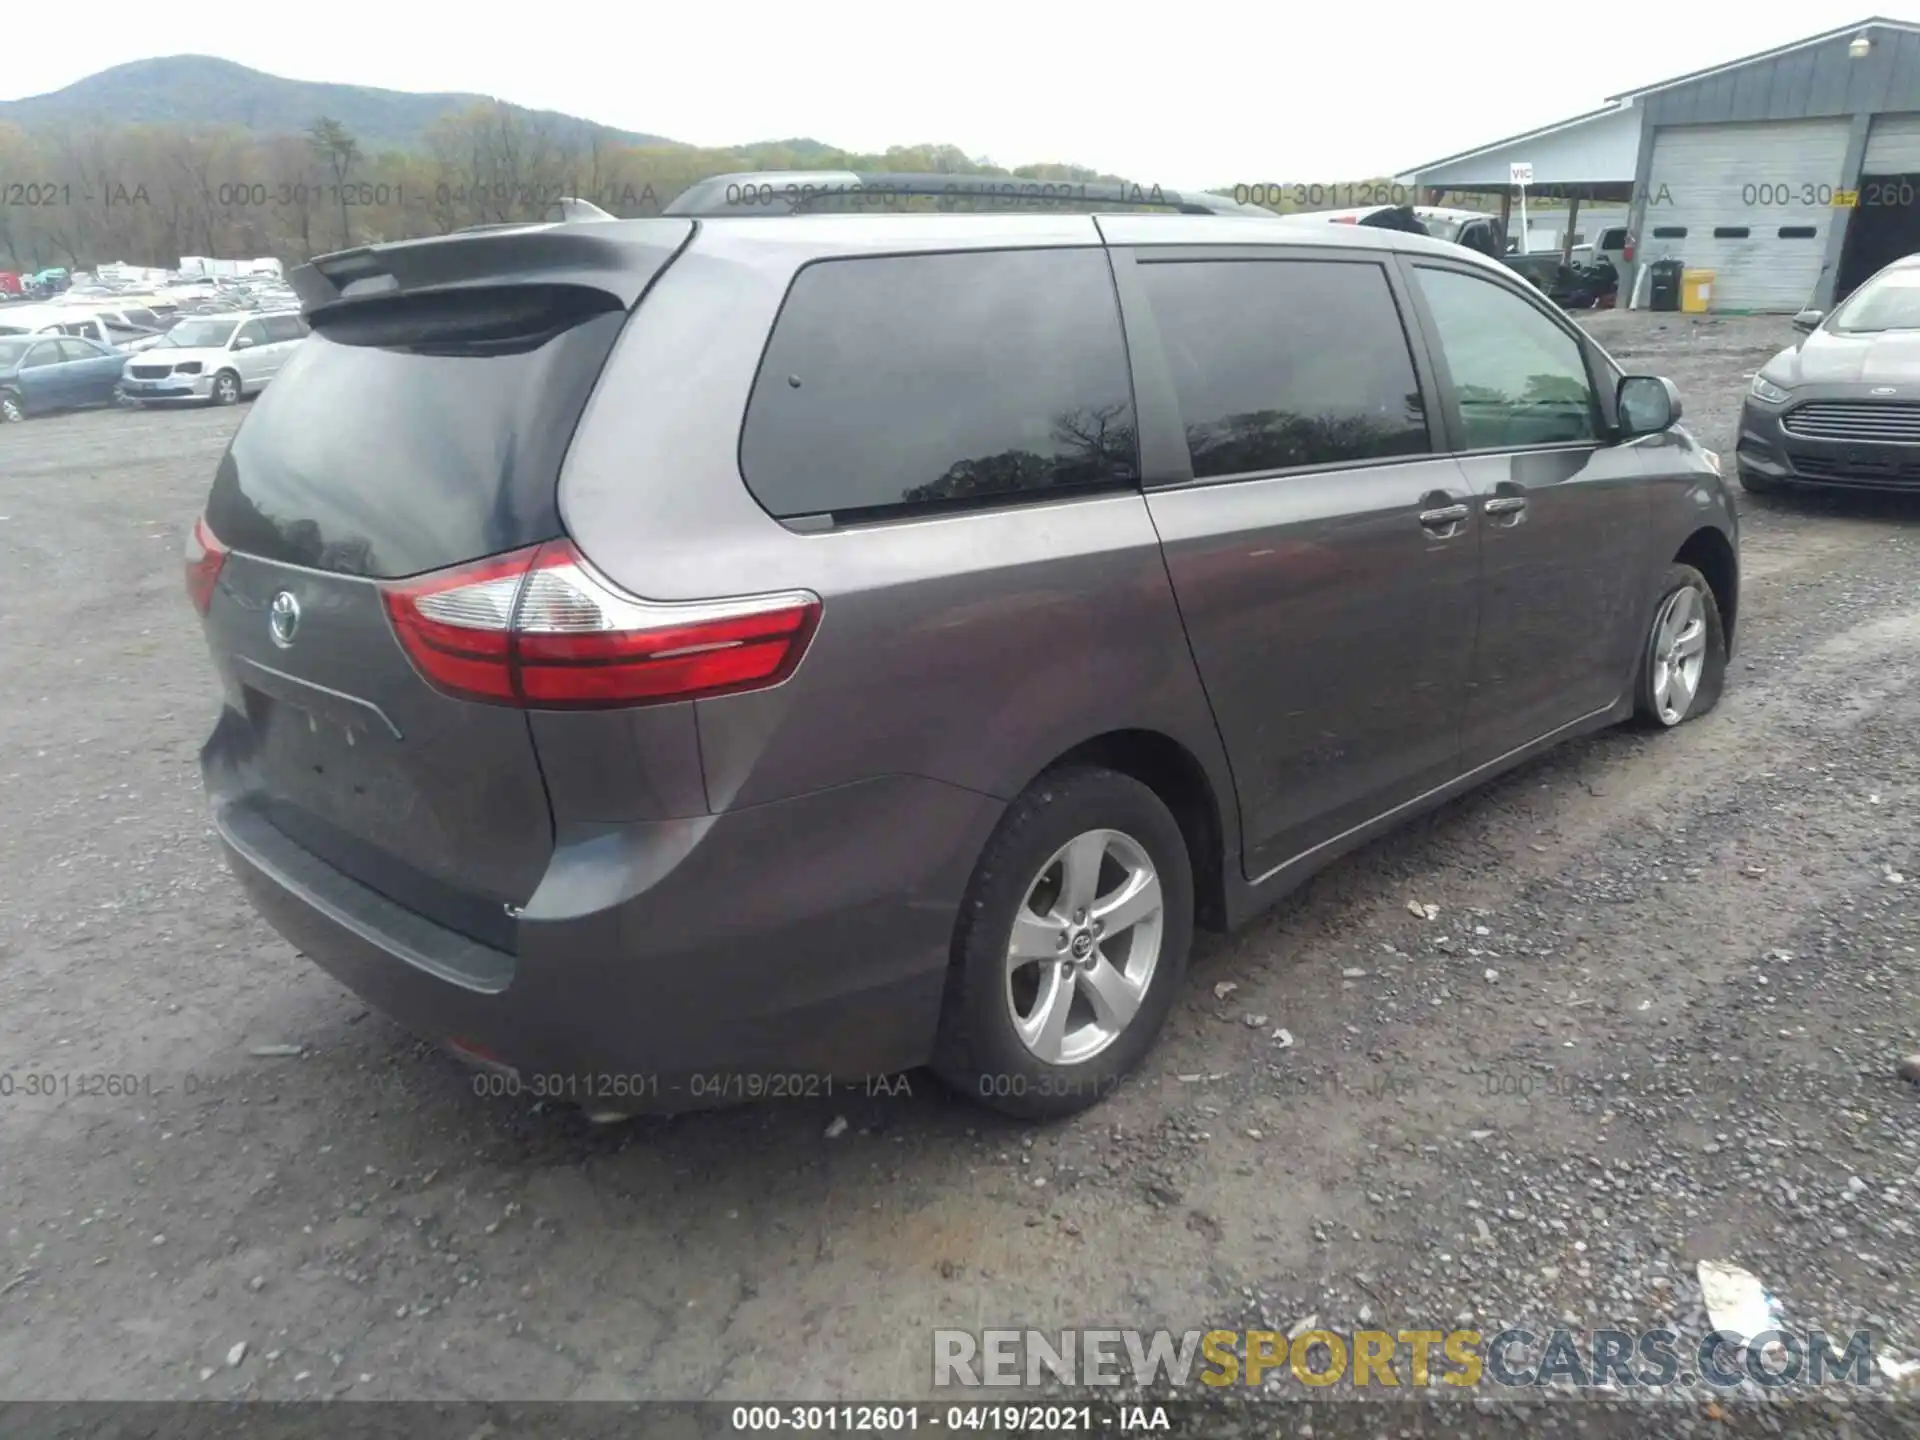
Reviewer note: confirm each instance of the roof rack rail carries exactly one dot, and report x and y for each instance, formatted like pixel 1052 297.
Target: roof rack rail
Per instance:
pixel 793 192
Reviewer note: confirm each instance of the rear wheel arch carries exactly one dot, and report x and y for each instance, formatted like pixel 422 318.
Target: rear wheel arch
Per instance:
pixel 1710 552
pixel 1029 954
pixel 1175 774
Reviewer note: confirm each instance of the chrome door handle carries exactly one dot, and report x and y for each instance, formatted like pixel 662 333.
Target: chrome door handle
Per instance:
pixel 1445 516
pixel 1505 505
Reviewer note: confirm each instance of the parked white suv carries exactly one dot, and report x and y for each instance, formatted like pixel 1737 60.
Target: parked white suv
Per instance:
pixel 215 358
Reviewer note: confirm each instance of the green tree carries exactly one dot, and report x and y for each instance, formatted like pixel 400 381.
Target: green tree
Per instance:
pixel 338 151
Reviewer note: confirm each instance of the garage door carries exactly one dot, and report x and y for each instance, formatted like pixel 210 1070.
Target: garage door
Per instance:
pixel 1893 146
pixel 1753 203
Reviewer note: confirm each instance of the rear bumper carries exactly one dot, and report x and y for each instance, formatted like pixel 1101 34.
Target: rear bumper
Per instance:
pixel 669 965
pixel 1768 450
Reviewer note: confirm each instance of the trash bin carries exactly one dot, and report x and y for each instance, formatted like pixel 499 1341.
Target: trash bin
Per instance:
pixel 1696 291
pixel 1663 286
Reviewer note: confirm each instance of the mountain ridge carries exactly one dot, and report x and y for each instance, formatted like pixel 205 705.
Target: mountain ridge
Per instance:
pixel 208 90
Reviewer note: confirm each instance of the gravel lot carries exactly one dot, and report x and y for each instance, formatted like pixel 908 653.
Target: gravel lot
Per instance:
pixel 1655 1021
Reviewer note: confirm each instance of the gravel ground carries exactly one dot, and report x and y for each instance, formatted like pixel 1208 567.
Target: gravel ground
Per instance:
pixel 1654 1020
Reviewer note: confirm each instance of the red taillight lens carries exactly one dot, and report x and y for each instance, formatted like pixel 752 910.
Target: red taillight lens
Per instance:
pixel 457 625
pixel 1346 219
pixel 540 627
pixel 205 556
pixel 1627 252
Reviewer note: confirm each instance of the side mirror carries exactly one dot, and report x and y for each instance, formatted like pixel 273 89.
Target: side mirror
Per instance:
pixel 1647 404
pixel 1809 320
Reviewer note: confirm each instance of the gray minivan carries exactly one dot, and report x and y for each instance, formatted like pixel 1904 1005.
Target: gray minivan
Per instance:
pixel 728 654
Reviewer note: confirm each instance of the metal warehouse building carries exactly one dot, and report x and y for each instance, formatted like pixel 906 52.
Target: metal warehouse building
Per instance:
pixel 1792 174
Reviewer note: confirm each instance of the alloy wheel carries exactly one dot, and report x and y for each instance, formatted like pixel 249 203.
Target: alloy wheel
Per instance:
pixel 1679 654
pixel 1084 946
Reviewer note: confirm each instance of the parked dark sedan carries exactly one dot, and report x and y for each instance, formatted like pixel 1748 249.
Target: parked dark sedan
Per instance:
pixel 40 374
pixel 1841 408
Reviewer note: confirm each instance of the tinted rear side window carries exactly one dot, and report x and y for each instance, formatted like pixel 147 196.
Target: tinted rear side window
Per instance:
pixel 406 437
pixel 1283 363
pixel 902 382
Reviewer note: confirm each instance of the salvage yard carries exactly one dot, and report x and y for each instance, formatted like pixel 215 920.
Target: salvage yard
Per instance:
pixel 1635 1006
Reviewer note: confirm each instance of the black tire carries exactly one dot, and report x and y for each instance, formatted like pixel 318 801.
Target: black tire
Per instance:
pixel 1648 707
pixel 226 388
pixel 1759 484
pixel 978 1051
pixel 12 410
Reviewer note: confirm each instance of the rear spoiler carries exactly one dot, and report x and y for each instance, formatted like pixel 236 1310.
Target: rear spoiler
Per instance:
pixel 563 211
pixel 793 192
pixel 619 258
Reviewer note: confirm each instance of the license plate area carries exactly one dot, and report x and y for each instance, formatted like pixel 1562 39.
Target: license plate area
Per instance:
pixel 336 768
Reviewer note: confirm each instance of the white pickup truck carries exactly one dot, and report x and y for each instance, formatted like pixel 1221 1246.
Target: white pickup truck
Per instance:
pixel 110 328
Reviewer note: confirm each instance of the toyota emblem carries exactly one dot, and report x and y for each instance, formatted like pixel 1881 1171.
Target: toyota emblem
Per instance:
pixel 283 618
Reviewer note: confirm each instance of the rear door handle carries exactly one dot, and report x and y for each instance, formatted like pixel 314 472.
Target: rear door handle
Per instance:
pixel 1505 511
pixel 1445 517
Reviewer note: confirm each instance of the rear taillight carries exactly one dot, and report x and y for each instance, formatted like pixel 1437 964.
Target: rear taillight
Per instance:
pixel 1626 252
pixel 541 628
pixel 205 556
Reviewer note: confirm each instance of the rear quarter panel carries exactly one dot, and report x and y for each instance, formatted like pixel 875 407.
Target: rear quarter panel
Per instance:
pixel 969 648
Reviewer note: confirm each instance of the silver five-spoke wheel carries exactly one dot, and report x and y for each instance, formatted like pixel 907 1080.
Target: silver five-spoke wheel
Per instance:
pixel 1085 942
pixel 1679 654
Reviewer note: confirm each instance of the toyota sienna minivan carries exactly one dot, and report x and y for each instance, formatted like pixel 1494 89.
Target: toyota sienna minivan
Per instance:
pixel 733 651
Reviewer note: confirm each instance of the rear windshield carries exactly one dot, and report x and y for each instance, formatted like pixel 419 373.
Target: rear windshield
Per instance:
pixel 411 435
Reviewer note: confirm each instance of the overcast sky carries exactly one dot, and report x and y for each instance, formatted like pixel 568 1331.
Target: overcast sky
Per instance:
pixel 1207 92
